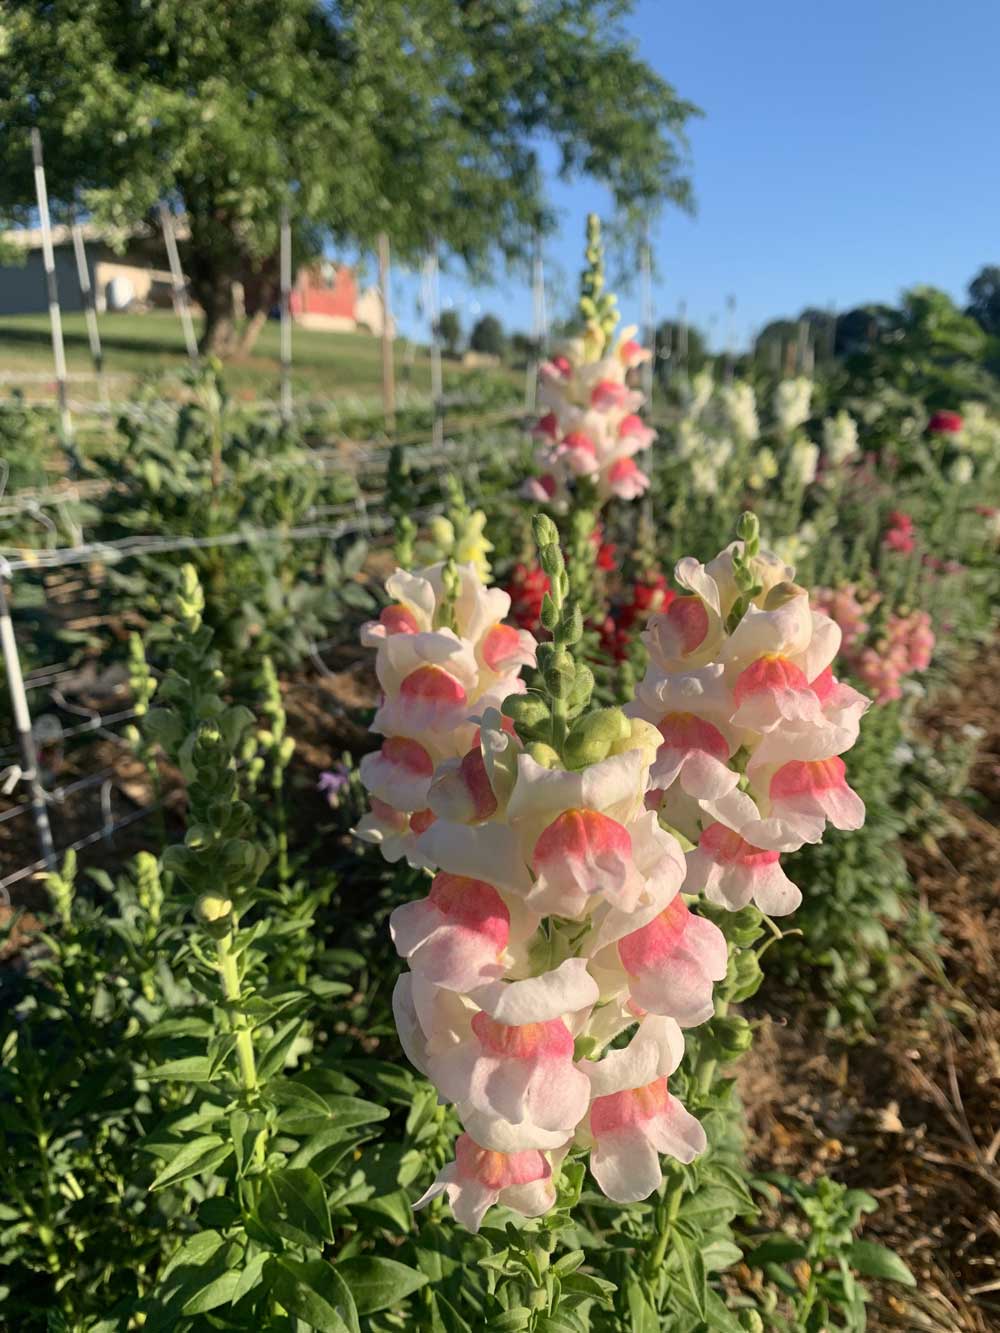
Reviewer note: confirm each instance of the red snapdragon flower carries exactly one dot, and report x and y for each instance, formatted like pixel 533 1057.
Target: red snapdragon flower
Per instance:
pixel 945 423
pixel 527 589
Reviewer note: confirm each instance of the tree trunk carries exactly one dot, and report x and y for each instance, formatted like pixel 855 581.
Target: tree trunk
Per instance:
pixel 252 331
pixel 218 336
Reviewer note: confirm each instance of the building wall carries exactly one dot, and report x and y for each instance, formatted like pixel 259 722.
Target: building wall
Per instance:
pixel 23 290
pixel 327 290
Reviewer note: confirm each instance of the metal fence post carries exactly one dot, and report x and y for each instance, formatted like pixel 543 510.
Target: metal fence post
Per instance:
pixel 285 266
pixel 52 286
pixel 22 724
pixel 181 304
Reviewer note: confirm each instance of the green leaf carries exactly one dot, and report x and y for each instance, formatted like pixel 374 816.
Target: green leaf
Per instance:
pixel 195 1251
pixel 251 1276
pixel 394 1207
pixel 217 1291
pixel 193 1069
pixel 201 1154
pixel 379 1284
pixel 642 1317
pixel 873 1260
pixel 511 1321
pixel 586 1284
pixel 314 1292
pixel 776 1249
pixel 564 1321
pixel 693 1269
pixel 719 1255
pixel 294 1204
pixel 272 1058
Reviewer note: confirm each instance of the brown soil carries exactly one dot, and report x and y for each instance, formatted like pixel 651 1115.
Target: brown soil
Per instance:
pixel 913 1114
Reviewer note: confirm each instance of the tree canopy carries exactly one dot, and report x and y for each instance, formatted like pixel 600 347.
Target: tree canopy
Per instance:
pixel 422 118
pixel 487 336
pixel 984 299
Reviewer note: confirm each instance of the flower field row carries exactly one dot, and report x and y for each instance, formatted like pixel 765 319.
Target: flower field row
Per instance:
pixel 444 1024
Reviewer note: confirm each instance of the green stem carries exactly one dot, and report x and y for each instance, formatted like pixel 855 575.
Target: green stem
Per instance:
pixel 667 1211
pixel 229 972
pixel 705 1068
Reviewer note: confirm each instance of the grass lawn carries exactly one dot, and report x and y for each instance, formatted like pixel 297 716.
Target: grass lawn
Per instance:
pixel 324 365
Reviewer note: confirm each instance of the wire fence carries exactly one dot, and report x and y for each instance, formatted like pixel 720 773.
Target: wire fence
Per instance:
pixel 351 518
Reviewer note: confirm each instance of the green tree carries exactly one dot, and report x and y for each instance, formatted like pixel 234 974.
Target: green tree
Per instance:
pixel 449 330
pixel 678 347
pixel 421 119
pixel 487 336
pixel 984 299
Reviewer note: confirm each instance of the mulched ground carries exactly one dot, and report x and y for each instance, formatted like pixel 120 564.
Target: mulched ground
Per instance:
pixel 913 1114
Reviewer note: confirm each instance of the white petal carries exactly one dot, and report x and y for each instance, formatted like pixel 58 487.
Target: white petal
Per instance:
pixel 564 990
pixel 626 1166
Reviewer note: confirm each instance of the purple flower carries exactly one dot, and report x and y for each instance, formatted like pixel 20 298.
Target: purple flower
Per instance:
pixel 332 781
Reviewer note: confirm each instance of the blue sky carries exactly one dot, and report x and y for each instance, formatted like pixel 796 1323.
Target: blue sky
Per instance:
pixel 848 150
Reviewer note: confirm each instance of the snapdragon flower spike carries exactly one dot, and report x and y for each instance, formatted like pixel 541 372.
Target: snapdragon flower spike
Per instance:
pixel 752 704
pixel 499 1000
pixel 480 1177
pixel 731 872
pixel 672 963
pixel 436 678
pixel 456 936
pixel 692 711
pixel 633 1118
pixel 591 428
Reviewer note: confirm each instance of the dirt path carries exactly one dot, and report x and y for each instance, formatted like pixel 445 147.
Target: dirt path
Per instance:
pixel 913 1115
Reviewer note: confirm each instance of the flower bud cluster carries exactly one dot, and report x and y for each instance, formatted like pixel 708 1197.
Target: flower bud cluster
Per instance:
pixel 590 429
pixel 904 647
pixel 900 535
pixel 553 924
pixel 443 656
pixel 752 724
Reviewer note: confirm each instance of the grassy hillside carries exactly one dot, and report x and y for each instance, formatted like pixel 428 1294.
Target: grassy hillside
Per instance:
pixel 324 365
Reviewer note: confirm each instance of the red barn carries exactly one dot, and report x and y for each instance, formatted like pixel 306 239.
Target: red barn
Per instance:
pixel 326 296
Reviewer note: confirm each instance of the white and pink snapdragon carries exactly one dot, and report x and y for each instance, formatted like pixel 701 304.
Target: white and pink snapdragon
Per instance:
pixel 435 679
pixel 754 724
pixel 590 427
pixel 554 923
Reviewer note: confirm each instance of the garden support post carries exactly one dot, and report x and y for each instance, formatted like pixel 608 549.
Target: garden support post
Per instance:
pixel 182 306
pixel 286 316
pixel 388 334
pixel 22 724
pixel 89 306
pixel 539 326
pixel 434 309
pixel 52 287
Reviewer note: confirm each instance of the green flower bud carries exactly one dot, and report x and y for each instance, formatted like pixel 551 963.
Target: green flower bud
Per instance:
pixel 751 1321
pixel 745 975
pixel 592 737
pixel 526 710
pixel 780 594
pixel 560 673
pixel 214 909
pixel 544 755
pixel 732 1036
pixel 544 531
pixel 583 688
pixel 748 531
